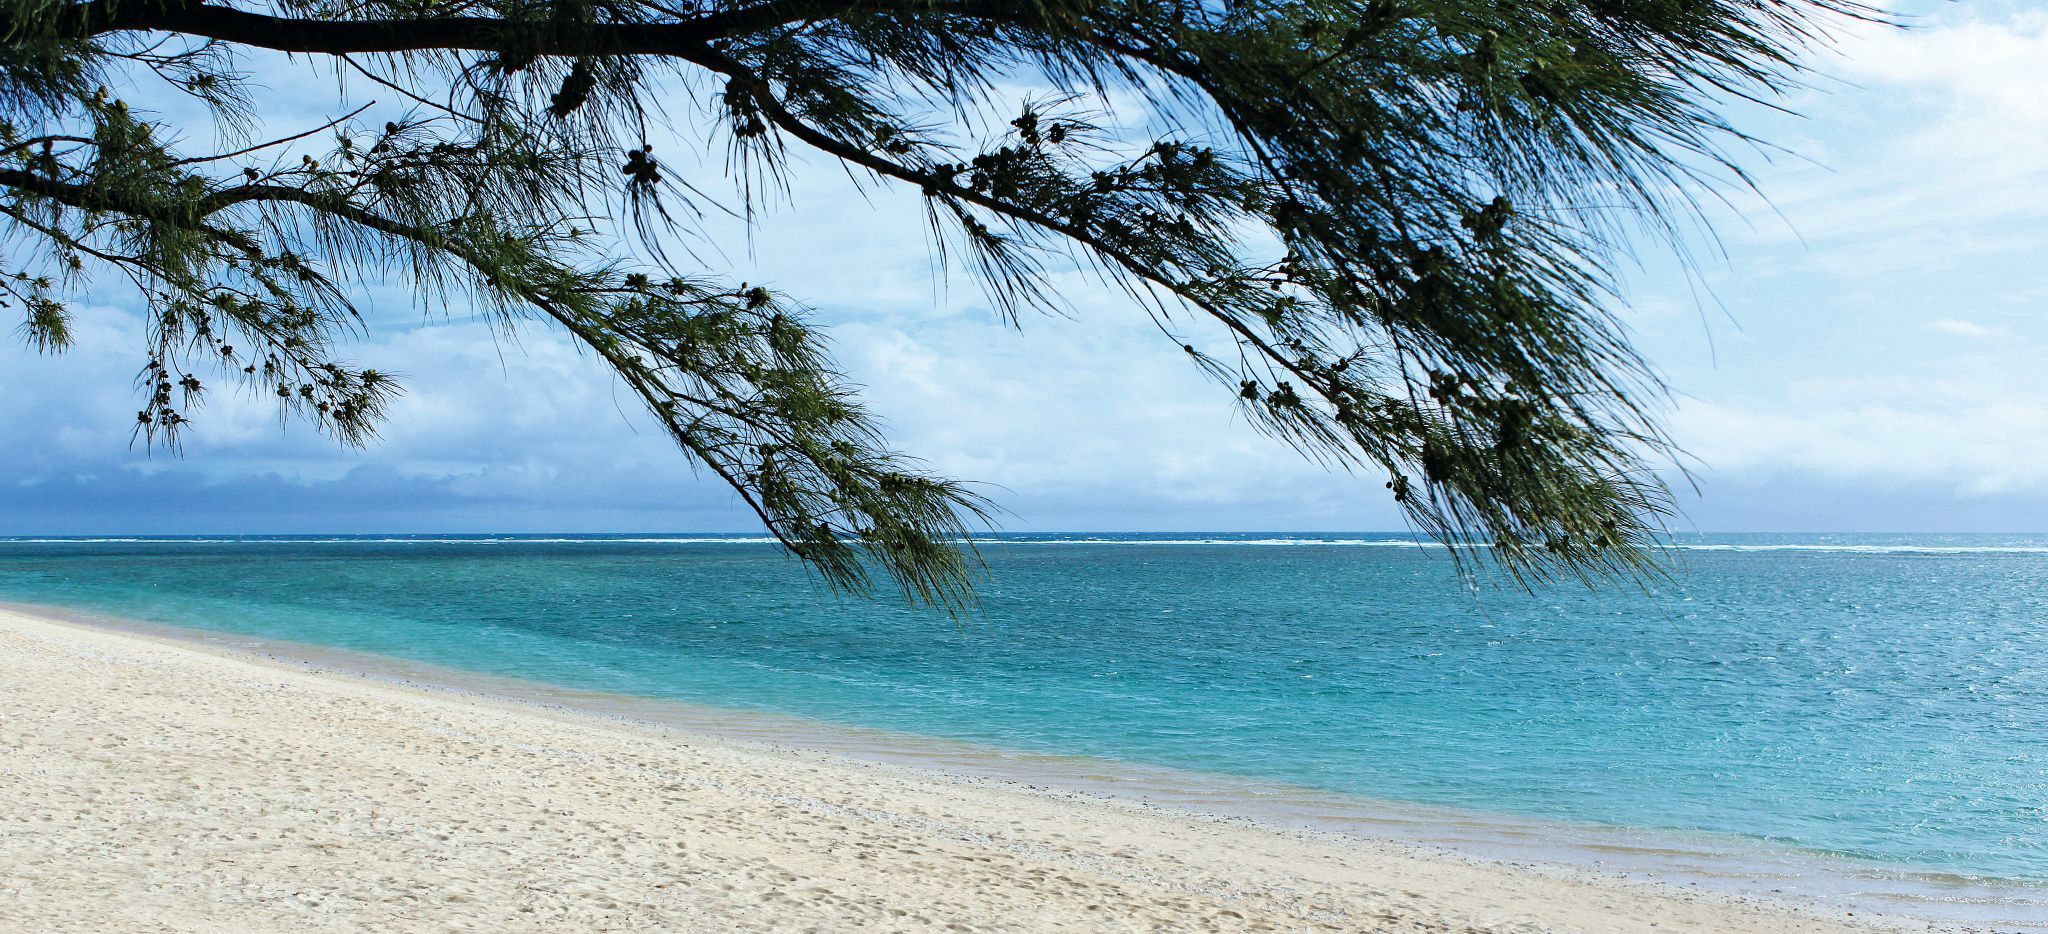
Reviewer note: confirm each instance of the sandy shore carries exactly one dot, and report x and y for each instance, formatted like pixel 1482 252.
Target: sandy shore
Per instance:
pixel 156 786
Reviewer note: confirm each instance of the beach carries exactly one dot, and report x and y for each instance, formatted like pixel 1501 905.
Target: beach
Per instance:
pixel 155 785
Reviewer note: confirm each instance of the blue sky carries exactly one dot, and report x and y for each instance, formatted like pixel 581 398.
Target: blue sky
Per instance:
pixel 1865 355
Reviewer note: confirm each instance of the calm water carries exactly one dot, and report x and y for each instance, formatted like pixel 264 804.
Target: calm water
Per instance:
pixel 1877 697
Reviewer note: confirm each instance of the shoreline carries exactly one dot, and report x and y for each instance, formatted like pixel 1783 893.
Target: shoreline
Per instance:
pixel 1442 887
pixel 1725 864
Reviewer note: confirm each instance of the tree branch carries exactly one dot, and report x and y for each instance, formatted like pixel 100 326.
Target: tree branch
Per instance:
pixel 795 126
pixel 342 37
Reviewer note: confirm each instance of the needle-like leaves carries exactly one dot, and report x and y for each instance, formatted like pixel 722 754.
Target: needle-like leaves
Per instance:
pixel 1386 226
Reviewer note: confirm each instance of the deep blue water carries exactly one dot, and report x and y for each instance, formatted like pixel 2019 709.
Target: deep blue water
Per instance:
pixel 1877 696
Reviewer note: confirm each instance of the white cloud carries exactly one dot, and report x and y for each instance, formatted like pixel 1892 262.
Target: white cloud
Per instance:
pixel 1986 73
pixel 1889 298
pixel 1933 133
pixel 1947 435
pixel 1960 328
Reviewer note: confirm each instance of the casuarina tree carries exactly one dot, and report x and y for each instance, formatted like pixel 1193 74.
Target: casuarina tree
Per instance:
pixel 1387 227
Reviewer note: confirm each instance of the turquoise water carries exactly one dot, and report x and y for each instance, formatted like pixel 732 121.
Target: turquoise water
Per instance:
pixel 1881 697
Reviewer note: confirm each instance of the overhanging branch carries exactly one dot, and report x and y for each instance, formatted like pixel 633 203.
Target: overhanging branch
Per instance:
pixel 391 35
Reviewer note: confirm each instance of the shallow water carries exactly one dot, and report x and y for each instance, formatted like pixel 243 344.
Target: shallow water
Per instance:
pixel 1878 697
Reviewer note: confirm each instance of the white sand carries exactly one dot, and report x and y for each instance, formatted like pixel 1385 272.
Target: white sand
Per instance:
pixel 148 785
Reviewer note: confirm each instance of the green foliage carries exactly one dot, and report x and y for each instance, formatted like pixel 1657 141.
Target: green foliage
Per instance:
pixel 1387 226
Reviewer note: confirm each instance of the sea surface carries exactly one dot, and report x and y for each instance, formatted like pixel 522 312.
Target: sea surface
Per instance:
pixel 1880 701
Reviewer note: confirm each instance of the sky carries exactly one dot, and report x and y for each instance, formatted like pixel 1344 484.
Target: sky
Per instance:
pixel 1860 350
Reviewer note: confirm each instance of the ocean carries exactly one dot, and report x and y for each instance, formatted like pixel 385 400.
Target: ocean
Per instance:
pixel 1876 703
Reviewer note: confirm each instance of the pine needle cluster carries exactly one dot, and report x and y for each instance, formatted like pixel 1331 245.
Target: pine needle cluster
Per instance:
pixel 1394 223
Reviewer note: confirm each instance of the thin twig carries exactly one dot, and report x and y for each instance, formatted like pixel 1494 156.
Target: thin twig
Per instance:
pixel 344 118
